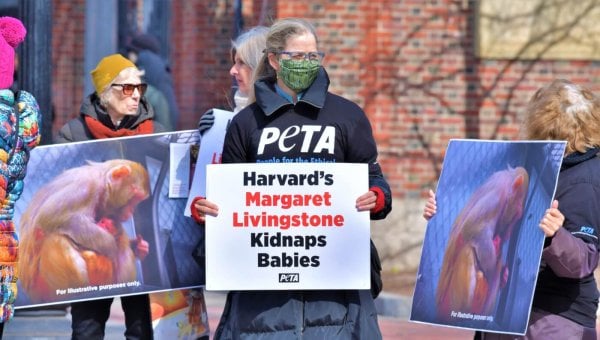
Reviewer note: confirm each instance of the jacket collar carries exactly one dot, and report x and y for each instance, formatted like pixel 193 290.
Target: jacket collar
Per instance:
pixel 271 102
pixel 579 157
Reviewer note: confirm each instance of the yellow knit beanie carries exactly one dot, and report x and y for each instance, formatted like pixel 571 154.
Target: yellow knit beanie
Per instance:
pixel 108 69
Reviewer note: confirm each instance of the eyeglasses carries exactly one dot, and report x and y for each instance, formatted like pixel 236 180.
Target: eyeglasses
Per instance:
pixel 298 56
pixel 129 88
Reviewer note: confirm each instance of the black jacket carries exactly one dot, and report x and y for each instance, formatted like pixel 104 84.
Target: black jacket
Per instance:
pixel 320 127
pixel 566 284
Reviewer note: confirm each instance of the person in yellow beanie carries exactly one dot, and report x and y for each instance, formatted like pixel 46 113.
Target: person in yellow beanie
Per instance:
pixel 117 108
pixel 108 69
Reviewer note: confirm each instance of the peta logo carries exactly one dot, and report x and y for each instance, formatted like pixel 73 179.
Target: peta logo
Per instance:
pixel 587 231
pixel 289 277
pixel 323 135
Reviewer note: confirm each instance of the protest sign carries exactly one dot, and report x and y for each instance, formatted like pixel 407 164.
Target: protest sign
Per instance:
pixel 482 249
pixel 85 209
pixel 210 153
pixel 287 226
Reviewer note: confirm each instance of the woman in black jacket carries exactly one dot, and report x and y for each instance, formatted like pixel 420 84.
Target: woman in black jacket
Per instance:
pixel 291 94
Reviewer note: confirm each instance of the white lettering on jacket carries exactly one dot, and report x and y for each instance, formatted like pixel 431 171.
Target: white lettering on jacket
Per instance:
pixel 325 135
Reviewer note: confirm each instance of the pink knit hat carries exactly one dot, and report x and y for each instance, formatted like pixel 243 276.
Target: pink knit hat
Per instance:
pixel 12 33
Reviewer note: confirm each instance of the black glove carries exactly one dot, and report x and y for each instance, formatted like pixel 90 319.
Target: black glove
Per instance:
pixel 206 121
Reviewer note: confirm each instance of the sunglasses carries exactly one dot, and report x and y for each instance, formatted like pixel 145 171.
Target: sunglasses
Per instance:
pixel 129 88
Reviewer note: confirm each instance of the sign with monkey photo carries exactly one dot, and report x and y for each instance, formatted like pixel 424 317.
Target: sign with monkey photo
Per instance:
pixel 491 196
pixel 287 226
pixel 95 220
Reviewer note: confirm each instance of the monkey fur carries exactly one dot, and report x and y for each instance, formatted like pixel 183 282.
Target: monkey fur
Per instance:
pixel 71 231
pixel 473 270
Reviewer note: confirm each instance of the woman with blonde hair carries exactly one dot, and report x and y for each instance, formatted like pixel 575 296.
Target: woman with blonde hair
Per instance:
pixel 246 51
pixel 564 111
pixel 566 296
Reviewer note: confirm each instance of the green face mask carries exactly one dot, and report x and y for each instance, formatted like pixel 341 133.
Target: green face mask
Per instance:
pixel 298 75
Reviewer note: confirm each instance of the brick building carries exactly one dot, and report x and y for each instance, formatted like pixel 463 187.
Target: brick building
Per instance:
pixel 411 64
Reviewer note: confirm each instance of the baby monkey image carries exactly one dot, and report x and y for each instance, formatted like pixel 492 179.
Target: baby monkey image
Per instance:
pixel 72 233
pixel 473 270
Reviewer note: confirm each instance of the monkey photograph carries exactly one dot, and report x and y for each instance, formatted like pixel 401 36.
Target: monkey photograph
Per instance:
pixel 474 270
pixel 96 221
pixel 490 198
pixel 72 234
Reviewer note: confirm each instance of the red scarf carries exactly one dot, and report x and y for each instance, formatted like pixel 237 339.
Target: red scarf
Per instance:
pixel 100 131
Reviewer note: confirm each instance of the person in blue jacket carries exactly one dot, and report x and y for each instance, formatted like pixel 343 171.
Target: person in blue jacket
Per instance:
pixel 291 94
pixel 144 51
pixel 566 296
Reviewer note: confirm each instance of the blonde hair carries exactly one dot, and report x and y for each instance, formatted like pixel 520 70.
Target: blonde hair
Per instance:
pixel 279 34
pixel 249 46
pixel 564 111
pixel 107 94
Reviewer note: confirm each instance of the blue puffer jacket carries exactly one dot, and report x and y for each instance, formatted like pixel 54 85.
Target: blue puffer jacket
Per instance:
pixel 331 314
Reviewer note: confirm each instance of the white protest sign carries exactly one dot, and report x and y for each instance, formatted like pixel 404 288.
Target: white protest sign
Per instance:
pixel 179 170
pixel 287 226
pixel 211 147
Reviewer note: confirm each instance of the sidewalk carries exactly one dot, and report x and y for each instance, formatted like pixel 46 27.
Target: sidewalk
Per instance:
pixel 394 311
pixel 393 320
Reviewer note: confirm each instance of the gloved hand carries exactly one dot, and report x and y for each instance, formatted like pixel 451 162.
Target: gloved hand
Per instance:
pixel 206 122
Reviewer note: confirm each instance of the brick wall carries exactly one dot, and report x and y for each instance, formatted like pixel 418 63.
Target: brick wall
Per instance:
pixel 202 32
pixel 200 54
pixel 68 29
pixel 409 63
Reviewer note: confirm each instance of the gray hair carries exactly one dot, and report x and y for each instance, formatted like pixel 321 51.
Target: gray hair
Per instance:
pixel 563 110
pixel 249 46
